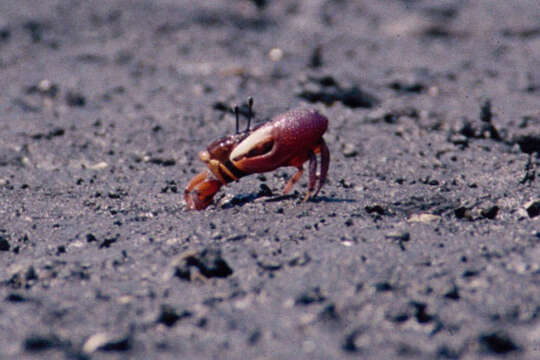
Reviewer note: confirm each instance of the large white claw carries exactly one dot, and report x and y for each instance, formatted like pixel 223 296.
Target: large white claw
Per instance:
pixel 250 142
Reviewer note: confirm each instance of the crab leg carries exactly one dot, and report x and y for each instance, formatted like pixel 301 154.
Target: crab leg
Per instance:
pixel 293 180
pixel 325 164
pixel 312 174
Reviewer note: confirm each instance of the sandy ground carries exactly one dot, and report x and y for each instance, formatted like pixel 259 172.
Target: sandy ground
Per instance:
pixel 424 243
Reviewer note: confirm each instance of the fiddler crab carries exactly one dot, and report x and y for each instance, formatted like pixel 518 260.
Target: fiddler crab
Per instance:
pixel 289 139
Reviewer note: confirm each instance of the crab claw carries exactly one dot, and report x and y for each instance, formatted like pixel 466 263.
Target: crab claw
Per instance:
pixel 200 191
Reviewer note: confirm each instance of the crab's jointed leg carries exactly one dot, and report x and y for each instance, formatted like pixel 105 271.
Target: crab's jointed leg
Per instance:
pixel 288 187
pixel 325 164
pixel 315 181
pixel 312 174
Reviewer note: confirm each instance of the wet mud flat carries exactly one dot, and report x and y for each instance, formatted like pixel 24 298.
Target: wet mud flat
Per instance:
pixel 423 243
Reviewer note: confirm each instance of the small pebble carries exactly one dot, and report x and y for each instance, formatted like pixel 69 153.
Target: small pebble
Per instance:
pixel 424 218
pixel 349 150
pixel 275 54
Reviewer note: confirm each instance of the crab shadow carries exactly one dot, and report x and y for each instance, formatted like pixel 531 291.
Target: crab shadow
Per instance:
pixel 243 199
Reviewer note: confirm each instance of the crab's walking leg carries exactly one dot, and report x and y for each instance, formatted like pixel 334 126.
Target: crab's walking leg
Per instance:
pixel 293 180
pixel 312 174
pixel 201 190
pixel 325 164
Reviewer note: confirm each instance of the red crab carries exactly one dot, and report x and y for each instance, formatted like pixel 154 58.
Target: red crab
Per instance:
pixel 289 139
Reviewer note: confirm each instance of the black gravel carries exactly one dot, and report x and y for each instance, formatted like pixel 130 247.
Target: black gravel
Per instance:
pixel 424 243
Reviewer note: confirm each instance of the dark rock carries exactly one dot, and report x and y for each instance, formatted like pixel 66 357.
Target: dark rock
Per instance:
pixel 299 260
pixel 162 161
pixel 75 99
pixel 90 238
pixel 169 316
pixel 462 213
pixel 383 286
pixel 490 212
pixel 254 337
pixel 213 301
pixel 208 262
pixel 420 313
pixel 35 29
pixel 117 194
pixel 123 343
pixel 264 190
pixel 171 186
pixel 533 208
pixel 466 129
pixel 470 273
pixel 51 134
pixel 4 243
pixel 31 274
pixel 400 317
pixel 16 298
pixel 497 343
pixel 377 209
pixel 5 34
pixel 109 241
pixel 327 90
pixel 414 81
pixel 37 343
pixel 413 87
pixel 453 293
pixel 221 106
pixel 399 314
pixel 345 183
pixel 54 133
pixel 352 341
pixel 311 296
pixel 528 143
pixel 329 314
